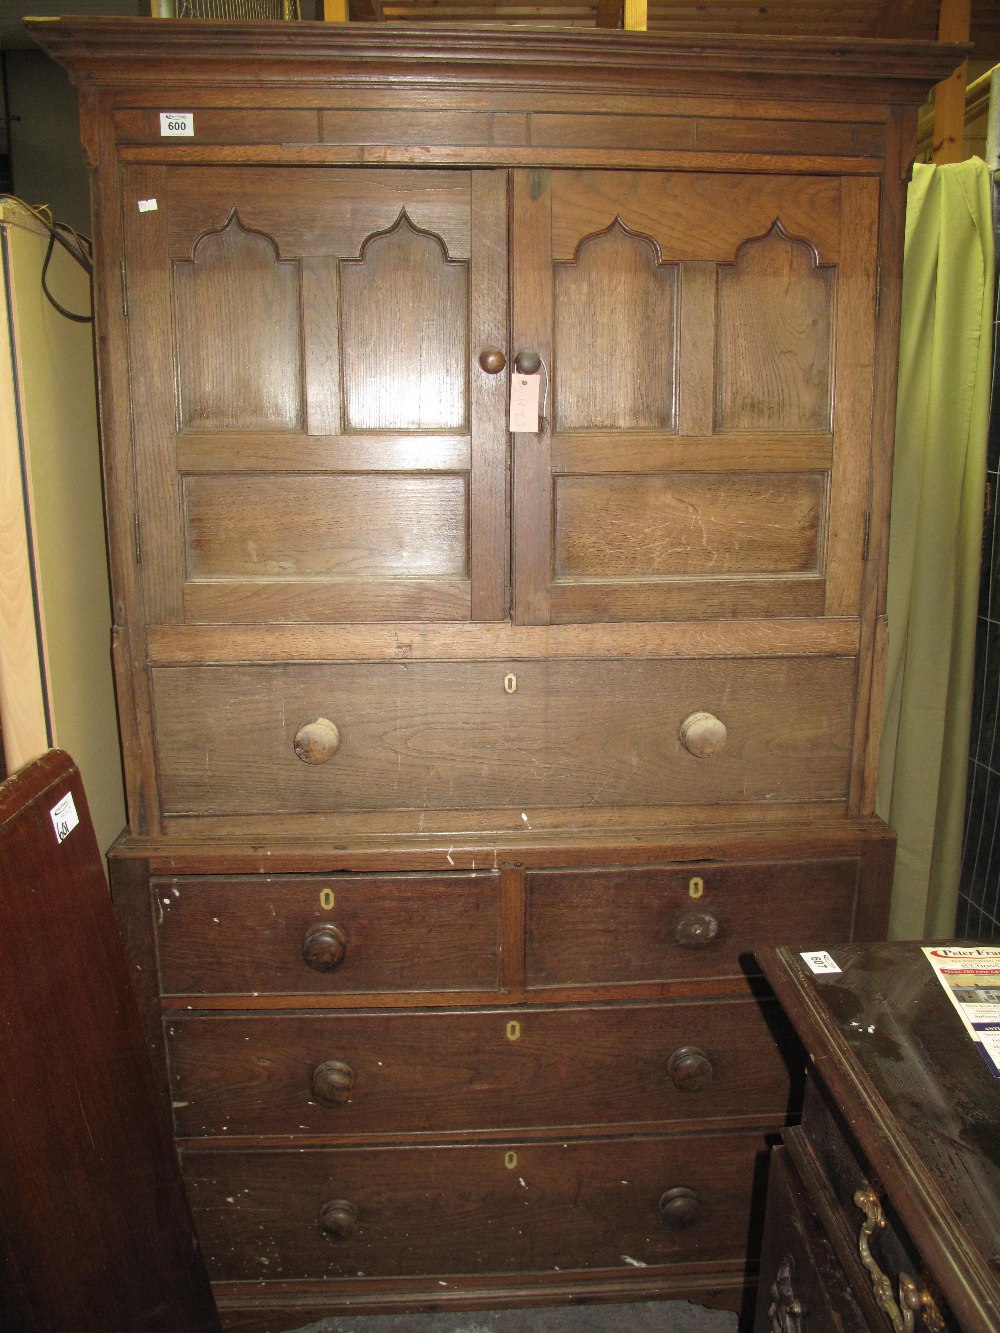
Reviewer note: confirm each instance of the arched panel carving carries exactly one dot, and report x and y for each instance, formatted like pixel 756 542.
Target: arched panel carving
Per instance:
pixel 239 357
pixel 404 333
pixel 615 335
pixel 775 337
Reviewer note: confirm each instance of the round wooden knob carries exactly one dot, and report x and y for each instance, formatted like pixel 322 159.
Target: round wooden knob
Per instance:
pixel 527 363
pixel 325 946
pixel 332 1082
pixel 679 1207
pixel 492 360
pixel 695 929
pixel 316 742
pixel 690 1069
pixel 702 734
pixel 339 1219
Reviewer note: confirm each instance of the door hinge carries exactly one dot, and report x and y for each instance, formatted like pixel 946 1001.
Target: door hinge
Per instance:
pixel 867 536
pixel 137 538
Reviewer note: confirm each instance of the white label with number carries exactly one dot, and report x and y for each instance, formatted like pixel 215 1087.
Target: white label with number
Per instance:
pixel 64 817
pixel 176 124
pixel 819 961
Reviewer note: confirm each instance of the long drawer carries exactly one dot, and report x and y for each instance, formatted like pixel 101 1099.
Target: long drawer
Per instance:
pixel 352 1073
pixel 481 735
pixel 668 922
pixel 504 1207
pixel 326 933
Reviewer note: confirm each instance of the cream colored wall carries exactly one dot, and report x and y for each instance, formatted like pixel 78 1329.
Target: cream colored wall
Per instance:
pixel 55 381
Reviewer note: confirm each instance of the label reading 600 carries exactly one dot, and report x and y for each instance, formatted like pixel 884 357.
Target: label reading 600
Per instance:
pixel 176 125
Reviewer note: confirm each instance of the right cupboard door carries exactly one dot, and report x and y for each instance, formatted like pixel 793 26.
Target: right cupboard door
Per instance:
pixel 707 348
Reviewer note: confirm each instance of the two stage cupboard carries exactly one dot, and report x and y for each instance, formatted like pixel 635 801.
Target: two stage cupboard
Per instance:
pixel 466 766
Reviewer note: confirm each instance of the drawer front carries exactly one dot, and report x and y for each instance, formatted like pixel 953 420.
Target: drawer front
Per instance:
pixel 479 735
pixel 802 1284
pixel 434 1072
pixel 224 935
pixel 587 927
pixel 473 1209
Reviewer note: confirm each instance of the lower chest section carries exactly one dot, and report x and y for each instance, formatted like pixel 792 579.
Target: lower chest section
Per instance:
pixel 535 1081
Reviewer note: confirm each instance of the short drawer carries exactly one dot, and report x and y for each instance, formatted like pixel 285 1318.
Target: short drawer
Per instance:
pixel 657 924
pixel 326 933
pixel 484 735
pixel 353 1073
pixel 505 1207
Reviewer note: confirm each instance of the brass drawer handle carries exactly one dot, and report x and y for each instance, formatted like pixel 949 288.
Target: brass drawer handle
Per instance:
pixel 912 1299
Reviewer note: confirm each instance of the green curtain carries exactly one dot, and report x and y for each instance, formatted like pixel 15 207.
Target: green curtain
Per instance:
pixel 939 478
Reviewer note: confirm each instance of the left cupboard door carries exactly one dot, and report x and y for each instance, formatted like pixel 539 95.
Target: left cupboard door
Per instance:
pixel 319 435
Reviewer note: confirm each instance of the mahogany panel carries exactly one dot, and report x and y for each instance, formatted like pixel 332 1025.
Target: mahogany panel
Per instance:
pixel 435 1072
pixel 246 934
pixel 702 919
pixel 502 1208
pixel 411 126
pixel 524 734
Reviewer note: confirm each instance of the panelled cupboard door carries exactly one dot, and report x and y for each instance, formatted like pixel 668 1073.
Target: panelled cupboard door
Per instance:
pixel 321 431
pixel 707 346
pixel 315 437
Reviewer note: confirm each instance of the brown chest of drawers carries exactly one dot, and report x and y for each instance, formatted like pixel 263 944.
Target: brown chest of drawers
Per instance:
pixel 883 1206
pixel 466 767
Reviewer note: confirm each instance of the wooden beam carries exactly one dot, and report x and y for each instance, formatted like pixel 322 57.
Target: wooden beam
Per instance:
pixel 635 15
pixel 610 13
pixel 954 25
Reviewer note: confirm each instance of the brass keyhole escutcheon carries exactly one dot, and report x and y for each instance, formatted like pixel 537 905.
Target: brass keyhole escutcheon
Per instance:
pixel 510 682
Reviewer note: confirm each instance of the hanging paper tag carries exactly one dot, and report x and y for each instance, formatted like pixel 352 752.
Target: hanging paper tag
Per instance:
pixel 525 391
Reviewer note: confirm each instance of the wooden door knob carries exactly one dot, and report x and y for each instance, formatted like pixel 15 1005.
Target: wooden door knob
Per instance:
pixel 690 1069
pixel 695 929
pixel 325 946
pixel 527 363
pixel 318 741
pixel 679 1207
pixel 702 734
pixel 339 1219
pixel 492 360
pixel 332 1082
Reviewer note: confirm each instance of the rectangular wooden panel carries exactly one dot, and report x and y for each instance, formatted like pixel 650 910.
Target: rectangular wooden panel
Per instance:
pixel 601 926
pixel 349 526
pixel 655 526
pixel 505 1207
pixel 454 1071
pixel 479 735
pixel 226 935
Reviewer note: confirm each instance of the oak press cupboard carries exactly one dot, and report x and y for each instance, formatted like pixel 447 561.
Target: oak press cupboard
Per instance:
pixel 465 769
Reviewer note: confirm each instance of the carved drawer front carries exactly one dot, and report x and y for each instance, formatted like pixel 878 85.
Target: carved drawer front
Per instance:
pixel 502 1207
pixel 466 735
pixel 802 1288
pixel 593 926
pixel 434 1072
pixel 326 933
pixel 845 1188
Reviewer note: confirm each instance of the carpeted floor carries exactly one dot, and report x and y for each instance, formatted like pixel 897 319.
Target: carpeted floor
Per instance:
pixel 648 1317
